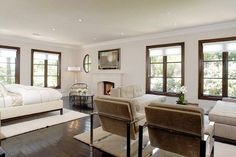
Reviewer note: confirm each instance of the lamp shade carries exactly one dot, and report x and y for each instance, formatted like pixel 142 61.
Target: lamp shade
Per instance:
pixel 74 69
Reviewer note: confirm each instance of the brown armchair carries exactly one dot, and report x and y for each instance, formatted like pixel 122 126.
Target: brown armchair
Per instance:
pixel 118 116
pixel 178 129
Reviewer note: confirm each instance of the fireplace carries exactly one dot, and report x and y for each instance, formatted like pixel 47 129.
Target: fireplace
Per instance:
pixel 107 86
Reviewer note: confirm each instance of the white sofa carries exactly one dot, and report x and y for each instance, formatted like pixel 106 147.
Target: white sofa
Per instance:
pixel 224 116
pixel 137 95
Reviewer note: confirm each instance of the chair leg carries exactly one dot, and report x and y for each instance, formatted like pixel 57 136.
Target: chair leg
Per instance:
pixel 128 140
pixel 91 129
pixel 140 141
pixel 212 152
pixel 203 149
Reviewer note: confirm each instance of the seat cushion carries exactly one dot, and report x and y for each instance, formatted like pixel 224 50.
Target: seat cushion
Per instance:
pixel 127 92
pixel 224 113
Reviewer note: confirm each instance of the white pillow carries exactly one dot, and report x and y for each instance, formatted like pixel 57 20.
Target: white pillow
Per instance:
pixel 3 90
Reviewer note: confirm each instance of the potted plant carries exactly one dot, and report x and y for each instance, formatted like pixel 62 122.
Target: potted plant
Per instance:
pixel 181 99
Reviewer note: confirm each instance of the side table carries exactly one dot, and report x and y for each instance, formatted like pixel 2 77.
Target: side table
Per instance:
pixel 85 99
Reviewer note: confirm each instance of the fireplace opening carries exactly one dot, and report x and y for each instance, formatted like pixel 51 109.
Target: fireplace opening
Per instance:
pixel 108 87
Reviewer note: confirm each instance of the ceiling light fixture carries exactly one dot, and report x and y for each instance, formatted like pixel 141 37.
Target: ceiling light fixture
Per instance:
pixel 94 38
pixel 53 29
pixel 122 33
pixel 36 34
pixel 80 20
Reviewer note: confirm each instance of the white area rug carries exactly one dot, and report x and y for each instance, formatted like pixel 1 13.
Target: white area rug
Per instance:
pixel 39 122
pixel 115 145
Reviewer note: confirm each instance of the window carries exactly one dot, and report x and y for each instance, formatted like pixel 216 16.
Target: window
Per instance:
pixel 217 68
pixel 46 69
pixel 9 64
pixel 87 63
pixel 165 68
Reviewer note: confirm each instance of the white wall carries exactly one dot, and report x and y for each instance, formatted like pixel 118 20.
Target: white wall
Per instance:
pixel 133 52
pixel 70 57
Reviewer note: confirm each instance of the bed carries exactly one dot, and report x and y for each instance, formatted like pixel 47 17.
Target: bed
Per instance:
pixel 19 100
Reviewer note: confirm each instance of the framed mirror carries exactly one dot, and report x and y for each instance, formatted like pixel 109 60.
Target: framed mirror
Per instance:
pixel 87 63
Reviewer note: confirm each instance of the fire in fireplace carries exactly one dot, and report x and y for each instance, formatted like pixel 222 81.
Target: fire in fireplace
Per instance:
pixel 107 87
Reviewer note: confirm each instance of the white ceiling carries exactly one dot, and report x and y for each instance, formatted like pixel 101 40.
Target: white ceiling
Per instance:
pixel 103 20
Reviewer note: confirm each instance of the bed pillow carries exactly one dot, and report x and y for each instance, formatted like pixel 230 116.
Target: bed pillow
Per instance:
pixel 3 90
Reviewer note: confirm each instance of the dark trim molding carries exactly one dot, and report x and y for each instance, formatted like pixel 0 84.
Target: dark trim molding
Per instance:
pixel 182 44
pixel 45 79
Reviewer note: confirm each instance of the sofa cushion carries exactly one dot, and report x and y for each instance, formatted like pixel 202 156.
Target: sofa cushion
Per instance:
pixel 224 113
pixel 138 91
pixel 127 92
pixel 115 92
pixel 146 99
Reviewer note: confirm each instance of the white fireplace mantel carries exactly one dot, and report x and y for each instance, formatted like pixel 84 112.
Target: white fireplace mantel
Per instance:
pixel 116 77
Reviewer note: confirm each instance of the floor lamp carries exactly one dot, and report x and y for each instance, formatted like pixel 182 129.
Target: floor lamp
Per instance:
pixel 76 70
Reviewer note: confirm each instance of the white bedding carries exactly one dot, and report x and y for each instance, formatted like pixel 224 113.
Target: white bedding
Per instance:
pixel 32 95
pixel 11 99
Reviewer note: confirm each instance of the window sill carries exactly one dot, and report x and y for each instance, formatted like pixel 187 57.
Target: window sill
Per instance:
pixel 161 93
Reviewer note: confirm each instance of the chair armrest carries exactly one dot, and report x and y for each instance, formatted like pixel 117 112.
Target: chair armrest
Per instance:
pixel 210 129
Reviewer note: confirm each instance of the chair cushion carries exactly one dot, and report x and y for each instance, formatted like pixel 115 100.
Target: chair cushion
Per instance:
pixel 224 113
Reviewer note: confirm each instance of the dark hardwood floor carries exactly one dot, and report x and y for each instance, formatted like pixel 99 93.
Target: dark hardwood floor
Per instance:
pixel 54 141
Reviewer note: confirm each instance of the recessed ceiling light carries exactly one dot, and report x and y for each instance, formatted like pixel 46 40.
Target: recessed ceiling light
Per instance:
pixel 80 20
pixel 175 24
pixel 53 29
pixel 36 34
pixel 122 33
pixel 94 38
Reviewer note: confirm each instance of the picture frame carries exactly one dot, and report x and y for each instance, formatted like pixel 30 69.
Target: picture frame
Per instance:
pixel 109 59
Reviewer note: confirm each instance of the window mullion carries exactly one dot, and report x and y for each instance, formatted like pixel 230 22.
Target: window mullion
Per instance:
pixel 225 75
pixel 164 74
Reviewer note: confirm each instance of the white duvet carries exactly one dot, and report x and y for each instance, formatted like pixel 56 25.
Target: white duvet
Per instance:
pixel 34 95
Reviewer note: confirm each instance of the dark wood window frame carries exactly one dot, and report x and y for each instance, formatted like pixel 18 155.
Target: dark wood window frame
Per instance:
pixel 224 69
pixel 17 63
pixel 182 45
pixel 86 63
pixel 45 71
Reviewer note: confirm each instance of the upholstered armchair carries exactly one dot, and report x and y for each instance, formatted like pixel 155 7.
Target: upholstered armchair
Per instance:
pixel 178 130
pixel 118 116
pixel 77 89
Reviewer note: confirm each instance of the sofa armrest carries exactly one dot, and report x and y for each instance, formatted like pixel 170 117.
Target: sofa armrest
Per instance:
pixel 210 129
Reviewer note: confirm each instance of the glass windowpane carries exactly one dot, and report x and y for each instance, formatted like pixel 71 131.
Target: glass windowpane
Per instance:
pixel 156 59
pixel 212 69
pixel 212 87
pixel 174 58
pixel 232 69
pixel 38 81
pixel 39 69
pixel 156 84
pixel 173 69
pixel 52 70
pixel 210 56
pixel 173 84
pixel 232 56
pixel 52 81
pixel 156 70
pixel 231 88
